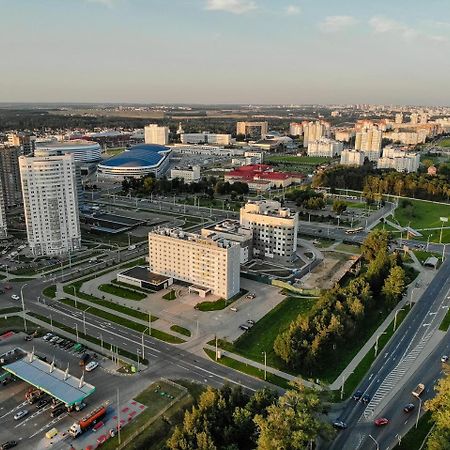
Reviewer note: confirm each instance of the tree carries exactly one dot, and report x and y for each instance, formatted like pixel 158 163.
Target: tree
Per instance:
pixel 439 406
pixel 292 422
pixel 376 241
pixel 394 286
pixel 339 206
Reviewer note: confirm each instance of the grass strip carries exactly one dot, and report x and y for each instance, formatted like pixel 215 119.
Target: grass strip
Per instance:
pixel 413 440
pixel 120 291
pixel 10 310
pixel 50 291
pixel 248 369
pixel 181 330
pixel 219 304
pixel 446 322
pixel 161 335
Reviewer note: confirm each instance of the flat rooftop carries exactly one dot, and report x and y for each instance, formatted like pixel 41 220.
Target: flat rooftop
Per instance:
pixel 143 274
pixel 55 383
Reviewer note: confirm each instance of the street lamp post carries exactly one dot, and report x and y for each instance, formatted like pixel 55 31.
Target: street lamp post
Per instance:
pixel 51 322
pixel 23 309
pixel 411 298
pixel 418 411
pixel 376 342
pixel 142 343
pixel 84 320
pixel 75 295
pixel 443 220
pixel 376 442
pixel 137 354
pixel 101 340
pixel 443 252
pixel 76 331
pixel 428 240
pixel 395 318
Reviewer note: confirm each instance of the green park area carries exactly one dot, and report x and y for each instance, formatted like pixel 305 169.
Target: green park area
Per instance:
pixel 261 337
pixel 444 142
pixel 296 160
pixel 122 292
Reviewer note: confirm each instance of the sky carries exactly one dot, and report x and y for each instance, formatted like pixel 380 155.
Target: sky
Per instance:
pixel 226 51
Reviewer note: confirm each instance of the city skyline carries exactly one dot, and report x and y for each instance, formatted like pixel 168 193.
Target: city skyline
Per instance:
pixel 224 51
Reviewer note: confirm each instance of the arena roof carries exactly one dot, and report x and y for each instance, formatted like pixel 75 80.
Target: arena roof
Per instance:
pixel 66 388
pixel 143 155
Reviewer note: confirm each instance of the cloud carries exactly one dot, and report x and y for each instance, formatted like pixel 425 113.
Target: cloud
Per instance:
pixel 383 25
pixel 293 10
pixel 231 6
pixel 332 24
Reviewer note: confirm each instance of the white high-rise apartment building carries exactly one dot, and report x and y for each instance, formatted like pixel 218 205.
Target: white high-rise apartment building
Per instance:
pixel 368 140
pixel 154 134
pixel 325 147
pixel 295 129
pixel 210 263
pixel 274 230
pixel 414 118
pixel 50 200
pixel 3 228
pixel 313 131
pixel 399 160
pixel 352 158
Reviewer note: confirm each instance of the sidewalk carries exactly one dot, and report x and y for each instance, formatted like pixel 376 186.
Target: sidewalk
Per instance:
pixel 424 278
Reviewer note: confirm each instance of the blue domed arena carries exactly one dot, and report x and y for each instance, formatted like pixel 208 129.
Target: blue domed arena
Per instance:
pixel 137 161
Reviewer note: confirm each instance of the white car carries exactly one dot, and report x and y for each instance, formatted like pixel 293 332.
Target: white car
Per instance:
pixel 444 358
pixel 15 297
pixel 20 414
pixel 91 366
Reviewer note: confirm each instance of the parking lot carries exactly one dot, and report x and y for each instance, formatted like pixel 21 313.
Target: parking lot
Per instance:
pixel 30 430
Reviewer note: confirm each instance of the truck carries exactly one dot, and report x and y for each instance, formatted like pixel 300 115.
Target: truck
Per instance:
pixel 88 421
pixel 418 390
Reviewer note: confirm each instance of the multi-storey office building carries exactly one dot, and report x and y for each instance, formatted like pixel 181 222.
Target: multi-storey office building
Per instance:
pixel 154 134
pixel 274 230
pixel 50 203
pixel 10 175
pixel 210 264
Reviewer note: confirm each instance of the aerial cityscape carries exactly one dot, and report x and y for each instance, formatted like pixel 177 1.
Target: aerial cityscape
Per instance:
pixel 224 225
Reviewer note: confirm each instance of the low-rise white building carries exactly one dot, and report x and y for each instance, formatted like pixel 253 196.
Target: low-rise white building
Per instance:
pixel 210 264
pixel 352 158
pixel 188 174
pixel 325 147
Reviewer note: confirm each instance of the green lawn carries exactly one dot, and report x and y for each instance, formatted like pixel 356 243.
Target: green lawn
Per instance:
pixel 50 291
pixel 307 160
pixel 171 295
pixel 10 310
pixel 181 330
pixel 356 249
pixel 444 142
pixel 423 255
pixel 423 215
pixel 122 292
pixel 446 322
pixel 413 440
pixel 262 335
pixel 387 227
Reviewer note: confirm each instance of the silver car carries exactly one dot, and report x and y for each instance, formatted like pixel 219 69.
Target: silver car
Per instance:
pixel 20 414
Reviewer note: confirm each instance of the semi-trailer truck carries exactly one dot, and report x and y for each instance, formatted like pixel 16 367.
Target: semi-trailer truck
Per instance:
pixel 88 421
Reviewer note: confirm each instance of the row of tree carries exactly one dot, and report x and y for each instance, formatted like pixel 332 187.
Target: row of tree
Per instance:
pixel 374 182
pixel 309 342
pixel 207 186
pixel 306 198
pixel 230 420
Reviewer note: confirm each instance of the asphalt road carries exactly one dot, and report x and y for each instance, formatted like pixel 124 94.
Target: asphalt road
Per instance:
pixel 398 369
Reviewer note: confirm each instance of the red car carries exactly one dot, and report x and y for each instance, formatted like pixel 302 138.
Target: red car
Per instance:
pixel 381 421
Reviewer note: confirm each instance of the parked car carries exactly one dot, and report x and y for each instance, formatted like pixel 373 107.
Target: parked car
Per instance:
pixel 409 407
pixel 233 308
pixel 365 398
pixel 251 322
pixel 381 421
pixel 244 327
pixel 91 366
pixel 444 358
pixel 250 296
pixel 57 411
pixel 339 424
pixel 28 337
pixel 15 297
pixel 357 395
pixel 41 403
pixel 48 336
pixel 8 444
pixel 20 414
